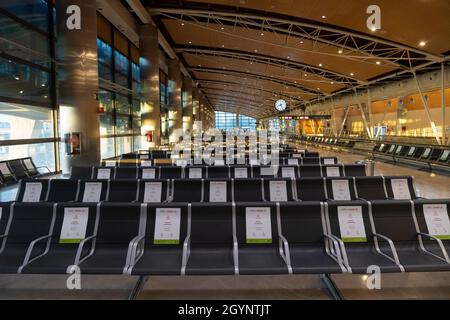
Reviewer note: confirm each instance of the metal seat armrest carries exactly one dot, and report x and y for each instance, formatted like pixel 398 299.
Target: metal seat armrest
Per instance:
pixel 3 236
pixel 45 167
pixel 235 255
pixel 131 252
pixel 391 245
pixel 186 252
pixel 285 252
pixel 338 244
pixel 440 243
pixel 28 258
pixel 78 258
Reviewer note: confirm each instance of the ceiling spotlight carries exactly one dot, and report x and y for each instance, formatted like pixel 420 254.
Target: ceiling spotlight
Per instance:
pixel 323 17
pixel 17 78
pixel 373 29
pixel 340 51
pixel 378 62
pixel 190 42
pixel 301 42
pixel 320 64
pixel 182 23
pixel 352 74
pixel 305 75
pixel 422 43
pixel 332 82
pixel 21 91
pixel 222 28
pixel 262 33
pixel 223 46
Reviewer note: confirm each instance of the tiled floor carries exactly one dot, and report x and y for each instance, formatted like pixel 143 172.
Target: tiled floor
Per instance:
pixel 393 286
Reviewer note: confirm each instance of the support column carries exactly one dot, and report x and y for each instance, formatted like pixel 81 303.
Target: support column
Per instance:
pixel 76 54
pixel 237 120
pixel 175 108
pixel 188 114
pixel 151 109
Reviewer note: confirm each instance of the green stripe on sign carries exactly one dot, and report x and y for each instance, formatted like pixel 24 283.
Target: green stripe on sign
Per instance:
pixel 166 242
pixel 443 237
pixel 354 239
pixel 65 241
pixel 252 241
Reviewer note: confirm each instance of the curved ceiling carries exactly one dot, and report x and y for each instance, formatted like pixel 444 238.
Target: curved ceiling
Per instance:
pixel 246 54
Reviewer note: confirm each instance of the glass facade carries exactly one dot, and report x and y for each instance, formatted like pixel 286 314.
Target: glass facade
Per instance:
pixel 120 116
pixel 226 121
pixel 26 92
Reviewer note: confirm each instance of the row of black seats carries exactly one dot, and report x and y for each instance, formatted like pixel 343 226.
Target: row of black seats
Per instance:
pixel 219 172
pixel 435 155
pixel 227 190
pixel 225 239
pixel 344 143
pixel 12 171
pixel 253 162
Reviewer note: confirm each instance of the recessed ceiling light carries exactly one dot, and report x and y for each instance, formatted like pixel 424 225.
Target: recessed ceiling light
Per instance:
pixel 305 75
pixel 222 28
pixel 288 57
pixel 332 82
pixel 320 64
pixel 17 78
pixel 373 29
pixel 262 33
pixel 223 46
pixel 340 51
pixel 256 50
pixel 182 23
pixel 352 74
pixel 190 42
pixel 323 17
pixel 378 62
pixel 422 43
pixel 301 42
pixel 21 91
pixel 318 88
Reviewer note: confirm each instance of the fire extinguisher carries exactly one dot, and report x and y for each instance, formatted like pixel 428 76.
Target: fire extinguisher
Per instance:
pixel 149 135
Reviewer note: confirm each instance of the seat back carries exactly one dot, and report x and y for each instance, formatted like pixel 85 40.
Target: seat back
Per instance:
pixel 333 171
pixel 170 172
pixel 311 161
pixel 32 190
pixel 30 167
pixel 118 224
pixel 195 172
pixel 394 220
pixel 128 162
pixel 419 151
pixel 302 223
pixel 187 190
pixel 61 190
pixel 310 171
pixel 29 222
pixel 123 191
pixel 212 224
pixel 312 155
pixel 248 190
pixel 156 214
pixel 435 154
pixel 400 188
pixel 81 173
pixel 4 217
pixel 278 190
pixel 126 173
pixel 217 190
pixel 148 173
pixel 5 172
pixel 340 189
pixel 370 188
pixel 444 156
pixel 92 191
pixel 256 224
pixel 311 189
pixel 328 160
pixel 154 191
pixel 355 170
pixel 218 172
pixel 18 169
pixel 350 221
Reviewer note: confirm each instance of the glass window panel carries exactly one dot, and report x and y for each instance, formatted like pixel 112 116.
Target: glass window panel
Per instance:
pixel 136 125
pixel 43 154
pixel 123 145
pixel 107 148
pixel 122 105
pixel 138 142
pixel 23 82
pixel 18 37
pixel 31 11
pixel 24 122
pixel 123 125
pixel 136 108
pixel 104 52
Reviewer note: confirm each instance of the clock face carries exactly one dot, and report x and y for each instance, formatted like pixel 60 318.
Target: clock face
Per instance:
pixel 280 105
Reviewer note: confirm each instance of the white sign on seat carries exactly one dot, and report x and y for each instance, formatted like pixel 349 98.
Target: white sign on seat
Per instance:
pixel 219 162
pixel 152 192
pixel 288 172
pixel 28 164
pixel 148 174
pixel 351 224
pixel 240 173
pixel 267 171
pixel 437 220
pixel 92 192
pixel 341 190
pixel 329 161
pixel 258 225
pixel 110 163
pixel 400 189
pixel 32 192
pixel 167 226
pixel 143 157
pixel 146 163
pixel 103 174
pixel 333 172
pixel 195 173
pixel 218 191
pixel 74 225
pixel 4 169
pixel 278 191
pixel 293 162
